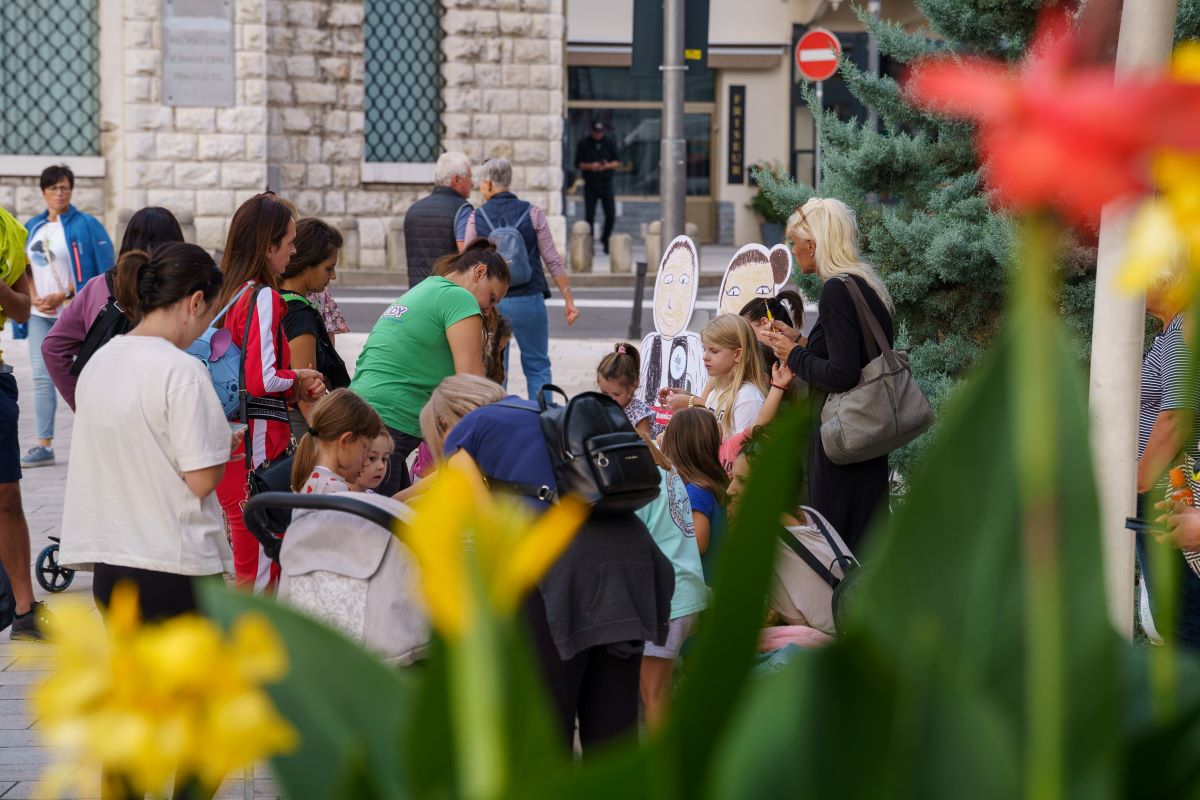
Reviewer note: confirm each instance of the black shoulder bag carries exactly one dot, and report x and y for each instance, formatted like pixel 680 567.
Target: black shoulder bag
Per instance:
pixel 110 322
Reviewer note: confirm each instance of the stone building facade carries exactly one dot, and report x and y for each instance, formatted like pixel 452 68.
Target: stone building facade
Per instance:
pixel 298 125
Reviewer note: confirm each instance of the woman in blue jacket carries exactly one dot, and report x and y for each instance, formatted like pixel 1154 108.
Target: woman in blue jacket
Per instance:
pixel 66 248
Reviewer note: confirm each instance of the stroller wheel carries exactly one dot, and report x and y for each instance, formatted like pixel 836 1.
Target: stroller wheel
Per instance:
pixel 50 575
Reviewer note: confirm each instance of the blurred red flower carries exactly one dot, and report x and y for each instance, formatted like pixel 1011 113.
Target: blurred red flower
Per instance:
pixel 1057 133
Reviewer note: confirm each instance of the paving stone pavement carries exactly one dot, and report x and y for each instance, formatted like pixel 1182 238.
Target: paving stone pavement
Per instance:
pixel 22 756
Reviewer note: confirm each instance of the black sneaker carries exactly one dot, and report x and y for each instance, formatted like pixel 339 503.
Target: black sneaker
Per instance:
pixel 30 626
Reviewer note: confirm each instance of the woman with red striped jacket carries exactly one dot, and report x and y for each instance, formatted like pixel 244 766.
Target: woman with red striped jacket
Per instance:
pixel 257 252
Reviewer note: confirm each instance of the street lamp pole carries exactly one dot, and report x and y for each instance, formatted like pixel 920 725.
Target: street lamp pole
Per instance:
pixel 1147 31
pixel 673 164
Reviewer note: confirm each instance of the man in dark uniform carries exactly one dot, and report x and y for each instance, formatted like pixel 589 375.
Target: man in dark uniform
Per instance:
pixel 596 158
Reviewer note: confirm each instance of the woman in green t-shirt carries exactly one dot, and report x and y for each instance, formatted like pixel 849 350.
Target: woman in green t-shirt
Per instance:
pixel 430 332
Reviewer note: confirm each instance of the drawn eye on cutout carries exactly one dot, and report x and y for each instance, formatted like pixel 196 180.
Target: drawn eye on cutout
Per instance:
pixel 734 291
pixel 685 279
pixel 763 290
pixel 668 278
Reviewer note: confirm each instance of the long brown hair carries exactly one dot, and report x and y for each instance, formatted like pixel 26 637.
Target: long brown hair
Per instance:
pixel 693 443
pixel 259 223
pixel 339 412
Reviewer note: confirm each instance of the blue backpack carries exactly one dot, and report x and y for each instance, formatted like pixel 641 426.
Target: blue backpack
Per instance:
pixel 511 245
pixel 222 358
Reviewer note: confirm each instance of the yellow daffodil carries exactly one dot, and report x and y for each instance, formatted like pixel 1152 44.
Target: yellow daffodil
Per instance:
pixel 152 702
pixel 474 548
pixel 1167 227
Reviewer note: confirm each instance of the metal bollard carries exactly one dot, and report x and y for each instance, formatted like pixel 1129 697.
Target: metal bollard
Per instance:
pixel 639 289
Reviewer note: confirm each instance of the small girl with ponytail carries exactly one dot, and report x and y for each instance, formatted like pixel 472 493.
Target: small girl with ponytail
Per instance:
pixel 332 454
pixel 618 375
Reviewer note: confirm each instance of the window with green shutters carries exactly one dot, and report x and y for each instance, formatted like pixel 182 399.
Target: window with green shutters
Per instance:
pixel 403 87
pixel 49 78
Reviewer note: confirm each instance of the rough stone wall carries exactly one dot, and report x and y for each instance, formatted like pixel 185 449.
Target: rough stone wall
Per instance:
pixel 298 122
pixel 504 94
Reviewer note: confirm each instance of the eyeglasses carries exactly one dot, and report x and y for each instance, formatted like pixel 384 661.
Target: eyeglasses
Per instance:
pixel 59 190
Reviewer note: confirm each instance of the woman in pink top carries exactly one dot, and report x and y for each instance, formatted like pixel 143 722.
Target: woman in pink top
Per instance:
pixel 64 343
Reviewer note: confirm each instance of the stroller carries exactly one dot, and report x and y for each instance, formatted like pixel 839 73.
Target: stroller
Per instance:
pixel 341 564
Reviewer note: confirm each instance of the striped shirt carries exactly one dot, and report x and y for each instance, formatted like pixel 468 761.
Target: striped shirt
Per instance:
pixel 1165 384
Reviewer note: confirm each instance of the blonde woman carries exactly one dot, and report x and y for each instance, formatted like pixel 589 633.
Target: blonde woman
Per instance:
pixel 824 239
pixel 454 398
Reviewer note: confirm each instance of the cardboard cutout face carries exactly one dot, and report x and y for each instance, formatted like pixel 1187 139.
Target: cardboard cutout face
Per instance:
pixel 753 272
pixel 675 288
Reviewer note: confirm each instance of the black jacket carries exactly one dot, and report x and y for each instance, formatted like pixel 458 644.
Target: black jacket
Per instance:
pixel 429 232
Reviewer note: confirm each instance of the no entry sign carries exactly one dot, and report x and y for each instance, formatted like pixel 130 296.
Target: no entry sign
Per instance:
pixel 817 54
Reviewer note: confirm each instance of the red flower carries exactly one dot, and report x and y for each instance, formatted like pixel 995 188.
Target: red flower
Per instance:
pixel 1053 133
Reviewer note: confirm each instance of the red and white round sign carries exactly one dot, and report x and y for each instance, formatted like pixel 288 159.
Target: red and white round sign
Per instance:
pixel 817 54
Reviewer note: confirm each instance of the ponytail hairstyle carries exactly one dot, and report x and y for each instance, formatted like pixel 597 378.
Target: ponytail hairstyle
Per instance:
pixel 337 413
pixel 480 251
pixel 315 242
pixel 453 399
pixel 692 442
pixel 176 270
pixel 259 223
pixel 623 365
pixel 787 307
pixel 732 331
pixel 149 228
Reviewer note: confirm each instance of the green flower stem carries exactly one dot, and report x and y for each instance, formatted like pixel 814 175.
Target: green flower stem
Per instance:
pixel 476 698
pixel 1034 383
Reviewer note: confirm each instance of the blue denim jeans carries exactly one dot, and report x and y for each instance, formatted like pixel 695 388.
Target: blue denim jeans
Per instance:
pixel 531 326
pixel 45 398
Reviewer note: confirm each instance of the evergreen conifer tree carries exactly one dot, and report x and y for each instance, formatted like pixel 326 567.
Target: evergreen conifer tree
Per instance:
pixel 923 217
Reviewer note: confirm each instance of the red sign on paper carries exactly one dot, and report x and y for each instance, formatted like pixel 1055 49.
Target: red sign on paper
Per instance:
pixel 817 54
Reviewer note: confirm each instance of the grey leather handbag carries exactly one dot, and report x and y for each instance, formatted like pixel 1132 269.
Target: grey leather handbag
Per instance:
pixel 885 411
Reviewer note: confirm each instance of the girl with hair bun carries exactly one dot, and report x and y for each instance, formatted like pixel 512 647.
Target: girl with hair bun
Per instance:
pixel 150 441
pixel 332 453
pixel 618 375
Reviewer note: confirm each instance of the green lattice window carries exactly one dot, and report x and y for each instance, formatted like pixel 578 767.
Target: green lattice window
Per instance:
pixel 49 78
pixel 403 91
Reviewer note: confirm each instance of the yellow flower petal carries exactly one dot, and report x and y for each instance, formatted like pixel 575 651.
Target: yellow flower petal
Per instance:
pixel 258 650
pixel 1185 63
pixel 1152 242
pixel 535 551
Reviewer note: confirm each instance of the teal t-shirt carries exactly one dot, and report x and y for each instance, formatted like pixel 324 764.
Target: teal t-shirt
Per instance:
pixel 669 519
pixel 407 354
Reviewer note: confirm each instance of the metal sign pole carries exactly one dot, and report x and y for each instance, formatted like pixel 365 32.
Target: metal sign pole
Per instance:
pixel 817 135
pixel 673 156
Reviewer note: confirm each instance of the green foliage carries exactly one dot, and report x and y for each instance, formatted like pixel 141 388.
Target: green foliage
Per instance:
pixel 923 214
pixel 760 203
pixel 1187 20
pixel 945 679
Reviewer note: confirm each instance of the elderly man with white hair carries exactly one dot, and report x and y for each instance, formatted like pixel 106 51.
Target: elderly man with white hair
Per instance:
pixel 434 224
pixel 525 303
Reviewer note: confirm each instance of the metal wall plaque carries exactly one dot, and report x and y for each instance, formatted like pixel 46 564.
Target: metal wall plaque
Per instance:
pixel 198 60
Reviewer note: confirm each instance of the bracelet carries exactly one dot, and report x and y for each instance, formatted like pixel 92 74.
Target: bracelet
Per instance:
pixel 780 388
pixel 691 401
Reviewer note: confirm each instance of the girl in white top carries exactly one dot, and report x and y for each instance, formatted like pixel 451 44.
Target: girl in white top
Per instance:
pixel 737 384
pixel 332 454
pixel 150 441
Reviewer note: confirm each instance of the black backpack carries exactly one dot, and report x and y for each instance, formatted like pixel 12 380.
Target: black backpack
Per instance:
pixel 596 454
pixel 111 322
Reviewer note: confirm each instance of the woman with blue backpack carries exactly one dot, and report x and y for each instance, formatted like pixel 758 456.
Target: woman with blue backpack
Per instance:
pixel 257 252
pixel 519 230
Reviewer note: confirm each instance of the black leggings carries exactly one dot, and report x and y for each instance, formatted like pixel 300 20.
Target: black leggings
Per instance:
pixel 161 595
pixel 598 686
